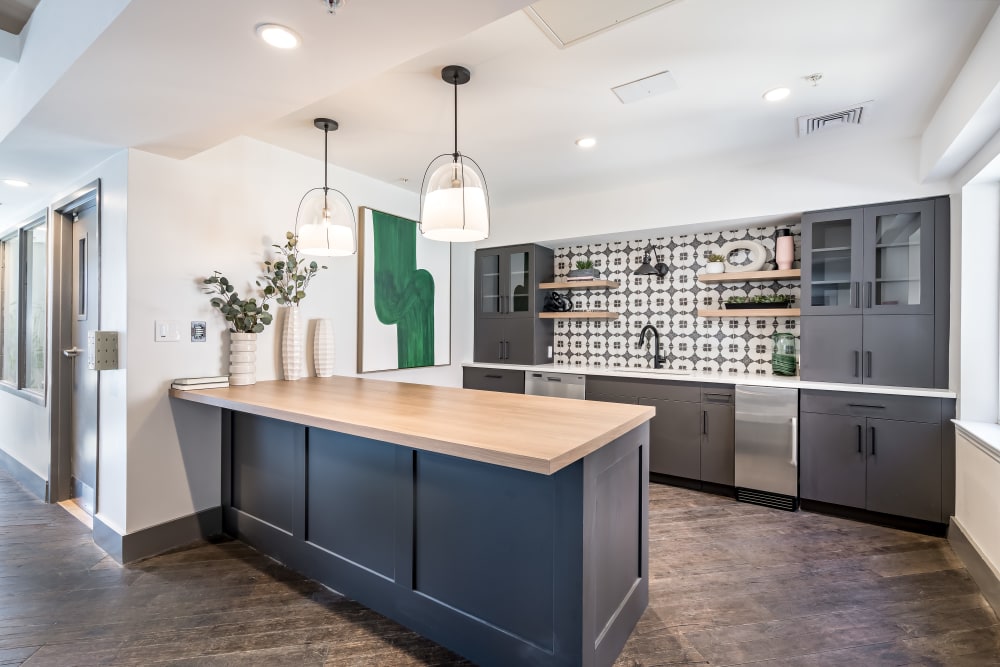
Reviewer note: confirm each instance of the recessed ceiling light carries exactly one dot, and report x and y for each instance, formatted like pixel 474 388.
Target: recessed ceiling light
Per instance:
pixel 586 142
pixel 777 94
pixel 278 36
pixel 15 183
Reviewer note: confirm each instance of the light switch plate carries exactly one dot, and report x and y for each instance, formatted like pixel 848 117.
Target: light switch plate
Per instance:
pixel 167 331
pixel 199 333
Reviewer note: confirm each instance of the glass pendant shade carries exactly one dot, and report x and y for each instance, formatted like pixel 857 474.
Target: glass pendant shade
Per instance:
pixel 454 204
pixel 325 224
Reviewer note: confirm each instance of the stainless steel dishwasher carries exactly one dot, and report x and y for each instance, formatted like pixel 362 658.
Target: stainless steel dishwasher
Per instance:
pixel 562 385
pixel 767 444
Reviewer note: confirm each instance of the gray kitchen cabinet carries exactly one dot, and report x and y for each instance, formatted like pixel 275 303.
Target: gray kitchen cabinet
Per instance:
pixel 675 438
pixel 493 379
pixel 718 442
pixel 875 294
pixel 507 301
pixel 876 452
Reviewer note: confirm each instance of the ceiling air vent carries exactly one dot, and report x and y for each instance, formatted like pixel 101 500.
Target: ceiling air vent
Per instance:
pixel 853 116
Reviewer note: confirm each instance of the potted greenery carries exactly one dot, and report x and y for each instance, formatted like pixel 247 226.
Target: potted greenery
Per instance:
pixel 716 263
pixel 759 301
pixel 584 271
pixel 246 318
pixel 286 279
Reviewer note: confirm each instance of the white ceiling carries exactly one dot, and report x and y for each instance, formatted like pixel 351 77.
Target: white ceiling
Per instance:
pixel 375 68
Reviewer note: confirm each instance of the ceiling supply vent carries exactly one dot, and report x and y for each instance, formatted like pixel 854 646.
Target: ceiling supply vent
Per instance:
pixel 567 22
pixel 853 116
pixel 650 86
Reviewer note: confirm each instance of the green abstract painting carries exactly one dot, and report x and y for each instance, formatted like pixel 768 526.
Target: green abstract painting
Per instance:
pixel 405 299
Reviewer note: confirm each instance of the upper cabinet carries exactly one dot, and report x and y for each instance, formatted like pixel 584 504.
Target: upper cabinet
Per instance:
pixel 871 260
pixel 504 286
pixel 882 270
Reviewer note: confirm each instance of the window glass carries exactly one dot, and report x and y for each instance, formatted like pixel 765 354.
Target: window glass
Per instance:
pixel 34 314
pixel 9 294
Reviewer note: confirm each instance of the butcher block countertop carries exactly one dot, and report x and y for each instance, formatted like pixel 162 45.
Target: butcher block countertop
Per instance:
pixel 534 433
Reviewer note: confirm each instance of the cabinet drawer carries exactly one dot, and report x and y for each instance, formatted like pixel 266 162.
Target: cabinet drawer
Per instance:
pixel 668 391
pixel 882 406
pixel 609 386
pixel 493 379
pixel 717 394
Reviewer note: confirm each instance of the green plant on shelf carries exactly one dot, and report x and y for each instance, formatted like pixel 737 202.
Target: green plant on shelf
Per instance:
pixel 712 257
pixel 584 264
pixel 762 299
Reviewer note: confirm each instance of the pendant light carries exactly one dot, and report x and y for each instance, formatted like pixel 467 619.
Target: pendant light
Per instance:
pixel 454 201
pixel 325 222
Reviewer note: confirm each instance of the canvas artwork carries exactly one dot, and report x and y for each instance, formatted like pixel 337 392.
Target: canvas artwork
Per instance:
pixel 405 295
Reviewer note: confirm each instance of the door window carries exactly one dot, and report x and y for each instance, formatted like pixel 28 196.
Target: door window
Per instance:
pixel 897 259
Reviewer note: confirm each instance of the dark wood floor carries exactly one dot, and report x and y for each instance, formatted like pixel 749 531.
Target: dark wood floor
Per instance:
pixel 731 584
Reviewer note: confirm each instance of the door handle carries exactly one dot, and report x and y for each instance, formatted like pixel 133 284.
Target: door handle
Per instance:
pixel 857 363
pixel 795 442
pixel 873 439
pixel 868 362
pixel 506 349
pixel 855 289
pixel 73 352
pixel 868 294
pixel 704 422
pixel 859 439
pixel 499 349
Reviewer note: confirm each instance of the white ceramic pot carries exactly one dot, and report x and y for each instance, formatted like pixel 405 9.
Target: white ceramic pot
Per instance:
pixel 323 349
pixel 242 358
pixel 715 267
pixel 293 358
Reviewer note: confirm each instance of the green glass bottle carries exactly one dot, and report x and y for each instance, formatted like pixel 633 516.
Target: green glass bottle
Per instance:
pixel 783 354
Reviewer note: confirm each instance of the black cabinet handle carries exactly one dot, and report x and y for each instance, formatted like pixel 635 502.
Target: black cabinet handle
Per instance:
pixel 859 439
pixel 865 405
pixel 868 363
pixel 873 440
pixel 855 288
pixel 493 377
pixel 499 349
pixel 506 349
pixel 857 363
pixel 868 294
pixel 704 422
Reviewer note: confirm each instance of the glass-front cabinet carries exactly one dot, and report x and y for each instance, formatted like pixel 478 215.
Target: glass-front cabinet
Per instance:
pixel 872 260
pixel 503 282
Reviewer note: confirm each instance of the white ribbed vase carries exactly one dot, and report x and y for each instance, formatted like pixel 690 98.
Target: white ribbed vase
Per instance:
pixel 242 358
pixel 323 348
pixel 293 355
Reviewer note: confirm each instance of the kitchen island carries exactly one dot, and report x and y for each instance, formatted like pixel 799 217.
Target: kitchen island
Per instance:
pixel 510 529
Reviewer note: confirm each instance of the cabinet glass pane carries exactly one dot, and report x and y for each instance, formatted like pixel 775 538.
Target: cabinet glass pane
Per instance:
pixel 897 259
pixel 489 299
pixel 519 264
pixel 831 263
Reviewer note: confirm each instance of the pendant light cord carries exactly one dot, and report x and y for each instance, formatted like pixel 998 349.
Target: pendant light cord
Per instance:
pixel 326 159
pixel 454 84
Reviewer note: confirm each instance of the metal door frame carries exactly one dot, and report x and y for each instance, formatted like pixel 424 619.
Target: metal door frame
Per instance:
pixel 61 367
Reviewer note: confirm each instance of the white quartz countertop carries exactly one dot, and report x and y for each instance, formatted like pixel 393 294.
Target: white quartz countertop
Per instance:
pixel 747 379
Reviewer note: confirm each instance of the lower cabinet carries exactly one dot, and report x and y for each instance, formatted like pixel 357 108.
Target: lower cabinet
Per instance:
pixel 692 434
pixel 493 379
pixel 884 454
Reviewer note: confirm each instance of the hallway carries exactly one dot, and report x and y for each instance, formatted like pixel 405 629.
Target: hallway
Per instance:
pixel 731 584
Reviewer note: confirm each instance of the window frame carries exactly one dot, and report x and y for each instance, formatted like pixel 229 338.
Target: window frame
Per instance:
pixel 23 233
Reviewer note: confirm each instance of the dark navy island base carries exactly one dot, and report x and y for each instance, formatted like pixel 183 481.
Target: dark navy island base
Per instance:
pixel 503 566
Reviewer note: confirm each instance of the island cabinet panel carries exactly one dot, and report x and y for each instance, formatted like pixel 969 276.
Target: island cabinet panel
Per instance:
pixel 501 565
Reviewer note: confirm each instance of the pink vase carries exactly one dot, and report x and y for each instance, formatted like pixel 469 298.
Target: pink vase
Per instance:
pixel 784 252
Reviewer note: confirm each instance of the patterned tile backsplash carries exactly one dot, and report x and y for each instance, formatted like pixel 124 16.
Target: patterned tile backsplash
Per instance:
pixel 689 342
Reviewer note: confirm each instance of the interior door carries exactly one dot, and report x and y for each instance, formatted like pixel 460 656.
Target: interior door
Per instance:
pixel 85 302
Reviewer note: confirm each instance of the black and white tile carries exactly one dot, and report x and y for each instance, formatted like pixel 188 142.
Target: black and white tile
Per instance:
pixel 736 345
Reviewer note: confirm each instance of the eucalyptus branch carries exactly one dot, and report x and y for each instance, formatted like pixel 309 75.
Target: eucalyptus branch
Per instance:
pixel 286 279
pixel 243 315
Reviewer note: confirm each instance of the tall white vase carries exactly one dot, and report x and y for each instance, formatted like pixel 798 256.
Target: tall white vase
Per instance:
pixel 293 357
pixel 242 358
pixel 323 348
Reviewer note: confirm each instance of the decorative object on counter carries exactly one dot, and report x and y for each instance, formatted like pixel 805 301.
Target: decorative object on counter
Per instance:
pixel 211 382
pixel 286 279
pixel 454 200
pixel 584 271
pixel 783 354
pixel 324 223
pixel 646 269
pixel 759 301
pixel 323 348
pixel 246 318
pixel 755 252
pixel 404 308
pixel 557 303
pixel 784 249
pixel 716 263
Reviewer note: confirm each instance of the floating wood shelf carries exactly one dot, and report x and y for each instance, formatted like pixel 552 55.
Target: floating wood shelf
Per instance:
pixel 581 284
pixel 580 315
pixel 750 276
pixel 751 312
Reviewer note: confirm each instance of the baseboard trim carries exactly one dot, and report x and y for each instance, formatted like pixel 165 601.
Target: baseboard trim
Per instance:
pixel 33 483
pixel 157 539
pixel 979 568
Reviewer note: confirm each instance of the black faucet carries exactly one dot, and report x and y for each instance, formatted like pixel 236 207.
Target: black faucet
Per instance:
pixel 657 359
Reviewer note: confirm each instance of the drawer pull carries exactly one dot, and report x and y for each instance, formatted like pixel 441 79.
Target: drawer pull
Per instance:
pixel 873 440
pixel 494 377
pixel 865 405
pixel 859 439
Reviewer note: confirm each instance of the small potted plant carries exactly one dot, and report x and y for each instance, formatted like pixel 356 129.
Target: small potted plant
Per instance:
pixel 584 271
pixel 716 263
pixel 246 318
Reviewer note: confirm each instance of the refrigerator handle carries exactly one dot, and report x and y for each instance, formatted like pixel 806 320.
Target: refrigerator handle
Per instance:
pixel 795 442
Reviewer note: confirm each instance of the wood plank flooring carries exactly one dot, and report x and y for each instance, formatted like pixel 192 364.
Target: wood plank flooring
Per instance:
pixel 731 584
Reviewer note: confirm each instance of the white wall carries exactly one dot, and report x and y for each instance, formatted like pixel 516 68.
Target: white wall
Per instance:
pixel 977 501
pixel 221 210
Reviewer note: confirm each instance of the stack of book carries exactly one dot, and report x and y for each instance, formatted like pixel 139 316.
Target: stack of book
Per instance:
pixel 216 382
